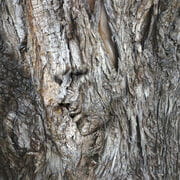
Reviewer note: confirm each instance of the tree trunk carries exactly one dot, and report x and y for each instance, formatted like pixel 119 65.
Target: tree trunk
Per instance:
pixel 89 89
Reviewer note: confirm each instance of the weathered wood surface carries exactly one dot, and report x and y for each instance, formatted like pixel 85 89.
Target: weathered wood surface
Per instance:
pixel 89 89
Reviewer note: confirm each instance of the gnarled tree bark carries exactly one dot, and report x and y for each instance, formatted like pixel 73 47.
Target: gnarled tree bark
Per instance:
pixel 89 89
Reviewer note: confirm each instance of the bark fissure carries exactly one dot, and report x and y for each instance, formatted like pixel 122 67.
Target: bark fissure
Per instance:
pixel 89 90
pixel 106 35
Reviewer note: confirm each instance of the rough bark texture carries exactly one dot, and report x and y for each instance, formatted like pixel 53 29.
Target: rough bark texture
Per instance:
pixel 89 89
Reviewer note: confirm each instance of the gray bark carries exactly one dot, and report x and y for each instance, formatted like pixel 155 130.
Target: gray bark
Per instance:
pixel 89 89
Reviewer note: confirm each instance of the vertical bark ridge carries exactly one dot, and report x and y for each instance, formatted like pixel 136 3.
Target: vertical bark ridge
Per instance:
pixel 66 113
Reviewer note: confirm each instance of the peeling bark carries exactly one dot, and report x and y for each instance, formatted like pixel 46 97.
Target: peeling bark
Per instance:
pixel 89 89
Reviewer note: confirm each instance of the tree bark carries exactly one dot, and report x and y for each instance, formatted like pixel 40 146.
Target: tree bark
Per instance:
pixel 89 89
